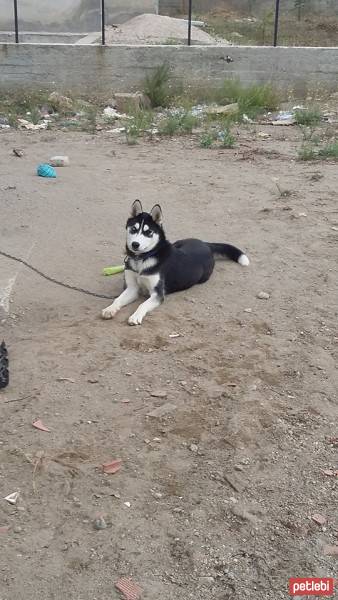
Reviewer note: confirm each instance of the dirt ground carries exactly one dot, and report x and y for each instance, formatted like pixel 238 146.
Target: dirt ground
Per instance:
pixel 214 498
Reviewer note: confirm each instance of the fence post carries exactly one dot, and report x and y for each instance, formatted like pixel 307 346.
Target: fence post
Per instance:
pixel 189 22
pixel 16 22
pixel 103 23
pixel 275 35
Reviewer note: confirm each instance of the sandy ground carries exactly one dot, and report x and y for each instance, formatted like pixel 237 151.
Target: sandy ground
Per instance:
pixel 215 498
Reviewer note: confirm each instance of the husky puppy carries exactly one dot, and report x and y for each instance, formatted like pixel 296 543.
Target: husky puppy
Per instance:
pixel 156 267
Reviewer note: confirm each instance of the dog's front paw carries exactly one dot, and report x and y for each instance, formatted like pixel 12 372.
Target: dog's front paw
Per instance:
pixel 109 312
pixel 135 319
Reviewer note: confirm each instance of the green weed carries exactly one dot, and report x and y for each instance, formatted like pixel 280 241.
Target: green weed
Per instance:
pixel 308 117
pixel 309 134
pixel 206 140
pixel 227 140
pixel 307 152
pixel 156 86
pixel 35 115
pixel 135 127
pixel 310 152
pixel 178 124
pixel 251 100
pixel 329 151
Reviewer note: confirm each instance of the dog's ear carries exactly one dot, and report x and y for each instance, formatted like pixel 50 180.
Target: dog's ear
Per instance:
pixel 156 214
pixel 136 208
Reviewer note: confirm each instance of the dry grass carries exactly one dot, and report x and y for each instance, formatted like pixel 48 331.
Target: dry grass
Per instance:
pixel 309 31
pixel 69 459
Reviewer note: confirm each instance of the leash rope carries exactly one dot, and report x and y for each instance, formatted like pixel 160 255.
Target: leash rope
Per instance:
pixel 51 279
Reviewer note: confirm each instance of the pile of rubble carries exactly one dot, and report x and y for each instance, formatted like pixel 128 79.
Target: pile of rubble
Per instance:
pixel 158 29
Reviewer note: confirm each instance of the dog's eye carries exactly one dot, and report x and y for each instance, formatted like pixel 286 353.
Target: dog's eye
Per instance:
pixel 133 230
pixel 148 233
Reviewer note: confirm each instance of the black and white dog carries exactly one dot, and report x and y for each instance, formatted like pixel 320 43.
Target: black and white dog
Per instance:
pixel 156 267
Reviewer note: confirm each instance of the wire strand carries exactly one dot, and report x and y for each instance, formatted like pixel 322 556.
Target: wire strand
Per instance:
pixel 51 279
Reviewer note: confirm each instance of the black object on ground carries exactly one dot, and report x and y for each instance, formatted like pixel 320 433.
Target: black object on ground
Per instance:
pixel 4 374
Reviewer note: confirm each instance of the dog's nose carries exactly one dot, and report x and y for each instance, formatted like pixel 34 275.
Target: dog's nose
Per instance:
pixel 135 245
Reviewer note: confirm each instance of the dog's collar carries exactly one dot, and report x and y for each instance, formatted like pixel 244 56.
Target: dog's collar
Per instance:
pixel 135 258
pixel 140 257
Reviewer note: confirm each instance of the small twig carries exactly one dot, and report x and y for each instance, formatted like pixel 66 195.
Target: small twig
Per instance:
pixel 38 463
pixel 232 485
pixel 19 399
pixel 25 456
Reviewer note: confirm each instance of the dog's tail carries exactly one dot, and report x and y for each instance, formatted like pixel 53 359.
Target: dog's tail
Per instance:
pixel 229 251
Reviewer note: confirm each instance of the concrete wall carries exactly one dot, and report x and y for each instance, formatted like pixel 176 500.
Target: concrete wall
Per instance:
pixel 70 15
pixel 121 68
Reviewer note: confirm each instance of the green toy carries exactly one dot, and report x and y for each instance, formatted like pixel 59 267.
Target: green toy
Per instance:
pixel 113 270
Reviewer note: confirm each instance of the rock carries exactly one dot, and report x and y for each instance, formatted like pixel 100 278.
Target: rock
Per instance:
pixel 111 113
pixel 263 295
pixel 248 310
pixel 330 473
pixel 59 161
pixel 17 529
pixel 100 523
pixel 46 110
pixel 284 118
pixel 59 102
pixel 24 124
pixel 241 511
pixel 159 412
pixel 159 394
pixel 18 152
pixel 331 550
pixel 116 130
pixel 193 448
pixel 116 494
pixel 289 121
pixel 319 519
pixel 131 102
pixel 207 580
pixel 228 109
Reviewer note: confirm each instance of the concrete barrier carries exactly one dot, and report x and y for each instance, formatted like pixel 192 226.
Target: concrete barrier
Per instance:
pixel 121 68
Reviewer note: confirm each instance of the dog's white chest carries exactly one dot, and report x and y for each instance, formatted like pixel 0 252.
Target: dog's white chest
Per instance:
pixel 139 266
pixel 145 283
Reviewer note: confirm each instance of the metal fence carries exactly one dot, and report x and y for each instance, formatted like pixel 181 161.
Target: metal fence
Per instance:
pixel 189 21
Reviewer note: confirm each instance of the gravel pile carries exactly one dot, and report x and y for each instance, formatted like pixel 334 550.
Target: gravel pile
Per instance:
pixel 157 29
